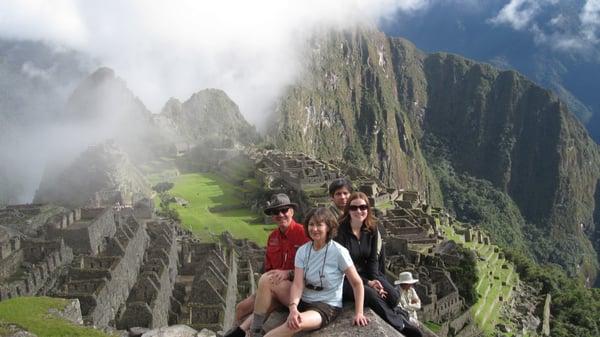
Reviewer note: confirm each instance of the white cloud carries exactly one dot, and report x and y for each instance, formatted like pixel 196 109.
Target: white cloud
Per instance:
pixel 163 49
pixel 590 20
pixel 572 34
pixel 517 13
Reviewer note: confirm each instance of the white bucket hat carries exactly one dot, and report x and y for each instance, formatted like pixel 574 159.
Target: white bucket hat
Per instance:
pixel 405 277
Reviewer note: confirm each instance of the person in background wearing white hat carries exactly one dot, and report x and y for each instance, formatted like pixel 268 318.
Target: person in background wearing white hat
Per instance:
pixel 409 300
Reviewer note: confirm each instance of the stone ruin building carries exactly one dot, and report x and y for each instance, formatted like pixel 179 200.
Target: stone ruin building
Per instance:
pixel 297 170
pixel 151 302
pixel 28 265
pixel 215 277
pixel 414 243
pixel 127 267
pixel 120 262
pixel 377 195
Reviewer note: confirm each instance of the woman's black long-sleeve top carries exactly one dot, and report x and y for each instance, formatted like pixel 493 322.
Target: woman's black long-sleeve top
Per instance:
pixel 363 251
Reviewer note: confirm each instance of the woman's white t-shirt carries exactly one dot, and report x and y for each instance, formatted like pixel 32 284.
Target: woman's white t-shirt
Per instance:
pixel 330 262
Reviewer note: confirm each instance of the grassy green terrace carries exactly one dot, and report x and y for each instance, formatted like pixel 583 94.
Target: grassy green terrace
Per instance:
pixel 31 313
pixel 204 192
pixel 495 282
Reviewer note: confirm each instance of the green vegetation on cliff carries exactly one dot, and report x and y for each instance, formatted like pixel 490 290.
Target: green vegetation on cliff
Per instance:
pixel 345 107
pixel 501 128
pixel 492 280
pixel 476 201
pixel 575 309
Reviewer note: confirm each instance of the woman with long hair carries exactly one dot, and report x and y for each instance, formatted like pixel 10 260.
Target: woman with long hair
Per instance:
pixel 358 233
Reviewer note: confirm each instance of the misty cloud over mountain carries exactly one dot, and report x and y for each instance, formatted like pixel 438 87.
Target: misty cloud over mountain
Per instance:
pixel 160 50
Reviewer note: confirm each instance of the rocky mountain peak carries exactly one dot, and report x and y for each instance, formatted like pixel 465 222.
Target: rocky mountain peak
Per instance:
pixel 103 95
pixel 208 114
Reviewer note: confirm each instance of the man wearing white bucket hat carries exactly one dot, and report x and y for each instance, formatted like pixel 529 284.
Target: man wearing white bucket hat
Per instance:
pixel 409 300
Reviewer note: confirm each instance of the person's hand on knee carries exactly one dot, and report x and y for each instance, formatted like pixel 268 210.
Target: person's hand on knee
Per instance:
pixel 276 276
pixel 294 318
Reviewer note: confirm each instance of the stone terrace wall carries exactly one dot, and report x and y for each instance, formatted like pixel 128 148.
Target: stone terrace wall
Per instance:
pixel 86 235
pixel 214 291
pixel 149 303
pixel 11 257
pixel 89 281
pixel 44 260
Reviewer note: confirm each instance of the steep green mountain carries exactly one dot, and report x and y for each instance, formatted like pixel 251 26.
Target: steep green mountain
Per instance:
pixel 346 107
pixel 380 103
pixel 501 127
pixel 207 114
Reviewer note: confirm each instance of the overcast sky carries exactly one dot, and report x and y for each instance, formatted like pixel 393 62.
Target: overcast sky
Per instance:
pixel 175 48
pixel 247 48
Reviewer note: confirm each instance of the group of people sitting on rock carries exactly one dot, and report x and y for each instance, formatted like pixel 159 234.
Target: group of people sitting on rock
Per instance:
pixel 336 256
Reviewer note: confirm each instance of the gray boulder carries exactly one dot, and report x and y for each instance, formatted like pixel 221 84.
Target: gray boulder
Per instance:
pixel 71 312
pixel 179 330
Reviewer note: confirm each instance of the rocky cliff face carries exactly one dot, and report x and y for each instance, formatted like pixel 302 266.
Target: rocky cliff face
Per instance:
pixel 346 107
pixel 501 127
pixel 208 114
pixel 373 100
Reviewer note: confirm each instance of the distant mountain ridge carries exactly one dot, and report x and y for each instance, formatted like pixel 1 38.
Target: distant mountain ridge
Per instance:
pixel 208 114
pixel 373 100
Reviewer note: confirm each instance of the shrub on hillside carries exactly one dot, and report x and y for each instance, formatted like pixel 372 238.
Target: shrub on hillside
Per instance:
pixel 163 187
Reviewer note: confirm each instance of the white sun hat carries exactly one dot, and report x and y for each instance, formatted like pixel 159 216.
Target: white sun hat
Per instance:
pixel 405 277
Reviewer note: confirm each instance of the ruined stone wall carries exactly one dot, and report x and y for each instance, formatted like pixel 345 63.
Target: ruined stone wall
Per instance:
pixel 10 260
pixel 103 226
pixel 448 306
pixel 45 259
pixel 461 321
pixel 443 283
pixel 101 297
pixel 116 290
pixel 194 252
pixel 231 291
pixel 214 292
pixel 148 304
pixel 88 235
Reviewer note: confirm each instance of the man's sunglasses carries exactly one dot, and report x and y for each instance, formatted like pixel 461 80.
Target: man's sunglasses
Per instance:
pixel 357 207
pixel 278 211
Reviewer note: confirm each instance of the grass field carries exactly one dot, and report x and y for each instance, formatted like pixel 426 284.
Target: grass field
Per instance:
pixel 490 288
pixel 206 190
pixel 31 313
